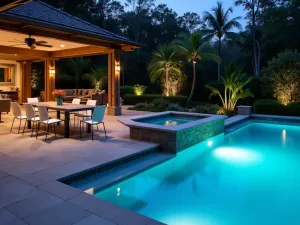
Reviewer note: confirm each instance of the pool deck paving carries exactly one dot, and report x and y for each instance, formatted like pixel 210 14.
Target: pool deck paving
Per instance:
pixel 29 170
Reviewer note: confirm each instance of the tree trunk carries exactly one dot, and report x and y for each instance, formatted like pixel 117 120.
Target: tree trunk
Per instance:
pixel 219 64
pixel 194 82
pixel 256 67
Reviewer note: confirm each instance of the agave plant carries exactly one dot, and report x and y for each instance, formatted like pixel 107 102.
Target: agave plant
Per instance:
pixel 234 82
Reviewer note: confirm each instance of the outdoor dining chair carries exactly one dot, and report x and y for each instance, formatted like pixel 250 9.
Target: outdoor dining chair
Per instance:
pixel 74 101
pixel 33 100
pixel 46 120
pixel 88 113
pixel 30 114
pixel 16 110
pixel 97 118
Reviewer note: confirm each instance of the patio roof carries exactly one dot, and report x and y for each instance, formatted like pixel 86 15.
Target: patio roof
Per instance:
pixel 32 16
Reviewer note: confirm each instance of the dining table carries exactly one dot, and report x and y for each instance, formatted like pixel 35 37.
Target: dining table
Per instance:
pixel 67 108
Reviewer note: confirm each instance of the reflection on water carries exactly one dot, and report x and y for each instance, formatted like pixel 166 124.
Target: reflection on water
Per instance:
pixel 170 123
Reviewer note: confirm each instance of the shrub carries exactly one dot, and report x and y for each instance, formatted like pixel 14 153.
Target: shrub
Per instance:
pixel 130 99
pixel 175 107
pixel 272 107
pixel 281 78
pixel 139 89
pixel 207 108
pixel 157 105
pixel 126 90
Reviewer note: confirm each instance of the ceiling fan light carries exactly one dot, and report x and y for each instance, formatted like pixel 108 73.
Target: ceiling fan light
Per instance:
pixel 62 46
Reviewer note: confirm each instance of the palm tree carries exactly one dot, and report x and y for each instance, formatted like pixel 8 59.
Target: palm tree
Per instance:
pixel 97 76
pixel 234 82
pixel 220 26
pixel 194 48
pixel 78 66
pixel 163 64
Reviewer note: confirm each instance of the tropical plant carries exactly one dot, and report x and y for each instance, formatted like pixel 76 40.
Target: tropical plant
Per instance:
pixel 281 78
pixel 234 82
pixel 207 108
pixel 194 48
pixel 77 68
pixel 139 89
pixel 220 26
pixel 164 64
pixel 97 76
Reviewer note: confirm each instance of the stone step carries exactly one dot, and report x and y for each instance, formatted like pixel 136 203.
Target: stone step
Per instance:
pixel 104 179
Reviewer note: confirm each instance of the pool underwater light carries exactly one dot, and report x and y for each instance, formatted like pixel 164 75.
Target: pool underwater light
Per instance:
pixel 238 155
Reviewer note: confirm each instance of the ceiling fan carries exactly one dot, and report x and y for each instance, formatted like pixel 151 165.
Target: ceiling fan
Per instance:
pixel 31 43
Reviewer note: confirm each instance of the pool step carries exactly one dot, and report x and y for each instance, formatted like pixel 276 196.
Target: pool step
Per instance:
pixel 104 179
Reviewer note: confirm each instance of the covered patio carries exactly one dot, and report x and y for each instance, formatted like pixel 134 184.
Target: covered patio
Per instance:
pixel 49 35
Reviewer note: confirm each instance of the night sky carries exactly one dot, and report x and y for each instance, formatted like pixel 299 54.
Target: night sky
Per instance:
pixel 198 6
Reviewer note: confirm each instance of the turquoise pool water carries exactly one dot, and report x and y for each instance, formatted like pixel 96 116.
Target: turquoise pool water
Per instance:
pixel 169 120
pixel 248 177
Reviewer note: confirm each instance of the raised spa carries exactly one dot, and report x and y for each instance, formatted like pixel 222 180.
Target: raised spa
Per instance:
pixel 169 120
pixel 175 131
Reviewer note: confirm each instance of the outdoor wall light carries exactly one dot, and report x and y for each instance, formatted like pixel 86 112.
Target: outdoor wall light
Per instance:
pixel 52 71
pixel 118 68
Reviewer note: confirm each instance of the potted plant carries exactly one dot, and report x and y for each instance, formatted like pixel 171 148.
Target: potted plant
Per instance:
pixel 59 96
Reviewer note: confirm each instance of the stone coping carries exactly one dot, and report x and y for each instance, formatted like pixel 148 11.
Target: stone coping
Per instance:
pixel 263 116
pixel 133 121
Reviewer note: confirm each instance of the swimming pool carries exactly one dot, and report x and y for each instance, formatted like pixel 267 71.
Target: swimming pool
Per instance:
pixel 170 120
pixel 250 176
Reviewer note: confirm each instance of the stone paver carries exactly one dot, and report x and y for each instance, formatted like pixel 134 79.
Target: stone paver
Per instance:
pixel 13 190
pixel 62 214
pixel 29 170
pixel 94 220
pixel 7 218
pixel 60 190
pixel 37 202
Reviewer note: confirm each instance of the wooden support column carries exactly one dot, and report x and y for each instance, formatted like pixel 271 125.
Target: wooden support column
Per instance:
pixel 114 66
pixel 25 77
pixel 49 79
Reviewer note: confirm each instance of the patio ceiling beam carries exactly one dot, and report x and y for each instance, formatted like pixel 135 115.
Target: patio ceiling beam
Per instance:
pixel 33 29
pixel 24 52
pixel 82 51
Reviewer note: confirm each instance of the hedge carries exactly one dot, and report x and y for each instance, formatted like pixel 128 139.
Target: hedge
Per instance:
pixel 130 99
pixel 126 90
pixel 272 107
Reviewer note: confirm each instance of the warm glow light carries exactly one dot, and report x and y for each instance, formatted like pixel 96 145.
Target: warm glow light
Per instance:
pixel 118 68
pixel 170 123
pixel 52 71
pixel 90 191
pixel 62 45
pixel 237 155
pixel 15 54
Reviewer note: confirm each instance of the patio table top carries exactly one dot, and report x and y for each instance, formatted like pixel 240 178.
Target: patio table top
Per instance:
pixel 66 107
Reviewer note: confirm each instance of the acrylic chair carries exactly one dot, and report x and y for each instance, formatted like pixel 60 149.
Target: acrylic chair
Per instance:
pixel 97 118
pixel 31 117
pixel 46 120
pixel 33 100
pixel 16 110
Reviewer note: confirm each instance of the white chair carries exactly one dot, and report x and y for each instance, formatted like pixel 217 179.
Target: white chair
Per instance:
pixel 74 101
pixel 30 114
pixel 33 100
pixel 88 113
pixel 45 119
pixel 97 118
pixel 17 114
